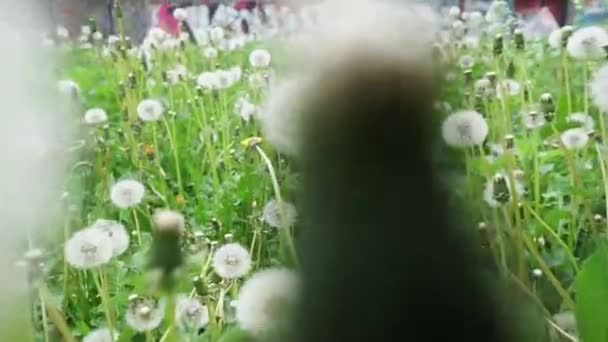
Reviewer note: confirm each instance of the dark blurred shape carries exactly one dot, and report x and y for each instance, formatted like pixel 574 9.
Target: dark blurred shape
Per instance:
pixel 384 256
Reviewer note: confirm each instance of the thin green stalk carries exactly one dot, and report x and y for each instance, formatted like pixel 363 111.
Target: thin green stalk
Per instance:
pixel 566 80
pixel 550 276
pixel 602 163
pixel 285 231
pixel 54 314
pixel 45 325
pixel 174 150
pixel 102 288
pixel 555 237
pixel 137 227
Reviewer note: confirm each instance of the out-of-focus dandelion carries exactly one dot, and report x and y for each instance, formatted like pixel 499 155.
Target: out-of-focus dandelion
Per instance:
pixel 150 110
pixel 272 214
pixel 599 88
pixel 190 313
pixel 95 116
pixel 116 232
pixel 574 138
pixel 266 299
pixel 586 121
pixel 88 248
pixel 497 191
pixel 588 43
pixel 259 58
pixel 101 335
pixel 68 87
pixel 127 193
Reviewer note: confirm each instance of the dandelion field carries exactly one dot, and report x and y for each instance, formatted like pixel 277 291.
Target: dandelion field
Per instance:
pixel 179 220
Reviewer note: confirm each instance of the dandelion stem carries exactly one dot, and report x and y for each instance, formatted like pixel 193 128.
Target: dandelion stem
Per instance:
pixel 566 80
pixel 55 314
pixel 602 163
pixel 45 326
pixel 174 150
pixel 102 287
pixel 285 231
pixel 137 228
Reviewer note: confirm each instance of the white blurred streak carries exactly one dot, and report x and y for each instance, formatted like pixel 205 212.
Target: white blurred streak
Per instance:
pixel 29 153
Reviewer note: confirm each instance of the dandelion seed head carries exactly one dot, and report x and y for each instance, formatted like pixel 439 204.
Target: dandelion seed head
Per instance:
pixel 454 12
pixel 266 300
pixel 466 62
pixel 88 248
pixel 534 120
pixel 210 52
pixel 208 80
pixel 100 335
pixel 145 314
pixel 599 88
pixel 567 321
pixel 555 39
pixel 475 20
pixel 588 43
pixel 574 138
pixel 272 214
pixel 464 129
pixel 68 87
pixel 62 32
pixel 508 87
pixel 149 110
pixel 190 313
pixel 498 190
pixel 232 261
pixel 117 234
pixel 497 12
pixel 169 221
pixel 583 119
pixel 259 58
pixel 95 116
pixel 537 273
pixel 127 193
pixel 97 36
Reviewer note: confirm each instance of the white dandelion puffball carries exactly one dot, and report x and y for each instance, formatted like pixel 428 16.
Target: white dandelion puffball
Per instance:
pixel 266 299
pixel 599 88
pixel 259 58
pixel 88 248
pixel 454 12
pixel 586 121
pixel 508 88
pixel 272 214
pixel 97 36
pixel 464 129
pixel 169 221
pixel 145 314
pixel 237 73
pixel 180 14
pixel 588 43
pixel 534 120
pixel 476 20
pixel 85 30
pixel 95 116
pixel 216 34
pixel 68 87
pixel 225 79
pixel 281 115
pixel 567 321
pixel 62 32
pixel 116 232
pixel 127 193
pixel 100 335
pixel 574 138
pixel 555 39
pixel 466 62
pixel 190 313
pixel 177 74
pixel 491 193
pixel 245 109
pixel 231 261
pixel 210 53
pixel 150 110
pixel 208 80
pixel 497 12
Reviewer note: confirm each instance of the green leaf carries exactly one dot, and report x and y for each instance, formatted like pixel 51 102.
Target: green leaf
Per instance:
pixel 592 298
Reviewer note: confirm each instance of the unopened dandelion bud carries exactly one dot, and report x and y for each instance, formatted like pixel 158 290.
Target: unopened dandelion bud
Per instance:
pixel 509 141
pixel 117 9
pixel 519 39
pixel 132 80
pixel 549 116
pixel 479 103
pixel 93 24
pixel 123 52
pixel 468 76
pixel 498 45
pixel 518 174
pixel 491 76
pixel 229 237
pixel 501 189
pixel 591 133
pixel 133 297
pixel 537 273
pixel 166 250
pixel 510 72
pixel 215 224
pixel 527 92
